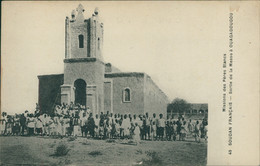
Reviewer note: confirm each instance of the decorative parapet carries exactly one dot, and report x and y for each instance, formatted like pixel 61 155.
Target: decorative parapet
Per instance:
pixel 74 60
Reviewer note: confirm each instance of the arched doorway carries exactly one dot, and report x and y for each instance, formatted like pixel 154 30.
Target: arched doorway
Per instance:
pixel 80 92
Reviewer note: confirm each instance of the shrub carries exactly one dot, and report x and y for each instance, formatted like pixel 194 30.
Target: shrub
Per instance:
pixel 86 143
pixel 154 159
pixel 95 153
pixel 67 162
pixel 110 141
pixel 139 151
pixel 52 145
pixel 61 150
pixel 72 138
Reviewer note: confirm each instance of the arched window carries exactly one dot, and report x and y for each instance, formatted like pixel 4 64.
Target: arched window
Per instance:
pixel 98 43
pixel 126 95
pixel 81 41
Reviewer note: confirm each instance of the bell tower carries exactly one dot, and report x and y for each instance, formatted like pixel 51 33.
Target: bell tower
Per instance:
pixel 83 64
pixel 83 37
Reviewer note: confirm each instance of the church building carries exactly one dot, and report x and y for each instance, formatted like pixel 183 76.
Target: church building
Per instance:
pixel 89 81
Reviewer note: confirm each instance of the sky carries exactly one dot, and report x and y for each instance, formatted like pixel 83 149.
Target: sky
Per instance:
pixel 173 42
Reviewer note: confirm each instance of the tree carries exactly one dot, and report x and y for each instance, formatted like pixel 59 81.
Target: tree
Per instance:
pixel 179 106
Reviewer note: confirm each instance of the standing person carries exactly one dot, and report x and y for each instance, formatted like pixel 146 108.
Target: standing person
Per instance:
pixel 111 119
pixel 154 122
pixel 75 126
pixel 117 128
pixel 48 122
pixel 184 130
pixel 168 130
pixel 2 126
pixel 107 127
pixel 136 134
pixel 16 126
pixel 179 124
pixel 9 125
pixel 30 125
pixel 52 126
pixel 147 126
pixel 113 128
pixel 174 130
pixel 57 124
pixel 38 125
pixel 197 132
pixel 83 121
pixel 101 125
pixel 71 125
pixel 44 122
pixel 66 125
pixel 126 127
pixel 120 124
pixel 205 128
pixel 91 124
pixel 143 129
pixel 96 126
pixel 3 123
pixel 190 127
pixel 161 126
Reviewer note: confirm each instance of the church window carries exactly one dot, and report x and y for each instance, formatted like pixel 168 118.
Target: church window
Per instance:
pixel 127 95
pixel 81 41
pixel 99 43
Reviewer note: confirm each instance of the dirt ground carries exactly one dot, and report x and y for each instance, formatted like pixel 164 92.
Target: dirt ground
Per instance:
pixel 82 151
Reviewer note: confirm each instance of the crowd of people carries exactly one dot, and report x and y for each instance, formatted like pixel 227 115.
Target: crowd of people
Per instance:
pixel 77 120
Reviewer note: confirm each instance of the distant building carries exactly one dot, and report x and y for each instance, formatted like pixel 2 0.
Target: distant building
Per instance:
pixel 196 111
pixel 198 108
pixel 89 81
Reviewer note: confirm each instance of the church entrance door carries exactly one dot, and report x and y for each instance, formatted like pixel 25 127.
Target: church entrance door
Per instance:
pixel 80 92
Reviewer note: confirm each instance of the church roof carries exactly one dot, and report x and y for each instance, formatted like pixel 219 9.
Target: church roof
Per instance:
pixel 49 75
pixel 124 74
